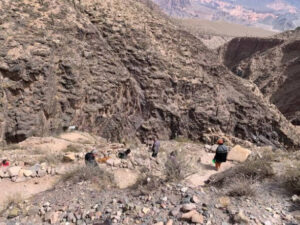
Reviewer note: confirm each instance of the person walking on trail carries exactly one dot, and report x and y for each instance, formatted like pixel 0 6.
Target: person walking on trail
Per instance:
pixel 155 147
pixel 221 154
pixel 90 159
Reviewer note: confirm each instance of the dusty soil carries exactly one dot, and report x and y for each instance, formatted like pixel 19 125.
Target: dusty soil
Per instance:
pixel 24 190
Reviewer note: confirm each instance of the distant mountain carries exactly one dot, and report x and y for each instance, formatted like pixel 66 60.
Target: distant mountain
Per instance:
pixel 269 14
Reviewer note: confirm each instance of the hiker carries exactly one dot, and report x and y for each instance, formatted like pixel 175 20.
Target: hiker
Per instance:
pixel 90 158
pixel 155 147
pixel 221 154
pixel 4 163
pixel 124 154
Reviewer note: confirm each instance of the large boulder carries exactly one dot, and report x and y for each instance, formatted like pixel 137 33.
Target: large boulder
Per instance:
pixel 69 157
pixel 14 171
pixel 125 178
pixel 27 173
pixel 238 154
pixel 3 174
pixel 113 162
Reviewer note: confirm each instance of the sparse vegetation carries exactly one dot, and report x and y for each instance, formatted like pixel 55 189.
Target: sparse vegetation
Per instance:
pixel 51 159
pixel 258 169
pixel 72 148
pixel 13 200
pixel 37 151
pixel 254 169
pixel 292 179
pixel 101 178
pixel 178 167
pixel 148 183
pixel 11 147
pixel 182 139
pixel 241 187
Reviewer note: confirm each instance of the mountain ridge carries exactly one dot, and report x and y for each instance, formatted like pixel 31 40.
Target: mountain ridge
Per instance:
pixel 121 70
pixel 278 15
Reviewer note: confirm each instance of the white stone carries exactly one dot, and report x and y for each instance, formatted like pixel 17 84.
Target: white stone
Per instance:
pixel 14 171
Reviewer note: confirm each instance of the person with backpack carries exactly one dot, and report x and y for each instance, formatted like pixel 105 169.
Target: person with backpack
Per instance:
pixel 90 159
pixel 221 154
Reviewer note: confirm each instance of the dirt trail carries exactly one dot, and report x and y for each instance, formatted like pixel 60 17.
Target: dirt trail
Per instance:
pixel 208 169
pixel 25 189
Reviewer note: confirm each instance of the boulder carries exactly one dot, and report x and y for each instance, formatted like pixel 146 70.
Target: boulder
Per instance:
pixel 14 212
pixel 296 198
pixel 188 215
pixel 113 162
pixel 69 157
pixel 27 173
pixel 296 215
pixel 197 218
pixel 188 207
pixel 3 174
pixel 224 201
pixel 130 176
pixel 214 148
pixel 195 199
pixel 146 210
pixel 14 171
pixel 170 222
pixel 241 218
pixel 159 223
pixel 238 154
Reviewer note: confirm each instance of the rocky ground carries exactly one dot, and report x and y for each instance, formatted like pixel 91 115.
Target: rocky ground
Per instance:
pixel 140 189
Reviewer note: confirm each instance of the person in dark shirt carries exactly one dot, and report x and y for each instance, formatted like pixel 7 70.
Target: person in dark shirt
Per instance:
pixel 221 154
pixel 155 147
pixel 124 154
pixel 90 159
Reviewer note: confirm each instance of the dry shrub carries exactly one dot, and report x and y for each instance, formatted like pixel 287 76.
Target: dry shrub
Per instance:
pixel 100 177
pixel 182 139
pixel 11 147
pixel 11 201
pixel 292 179
pixel 178 167
pixel 72 148
pixel 51 159
pixel 255 169
pixel 241 186
pixel 147 183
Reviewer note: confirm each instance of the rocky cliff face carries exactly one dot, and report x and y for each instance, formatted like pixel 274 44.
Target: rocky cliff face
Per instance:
pixel 273 64
pixel 120 69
